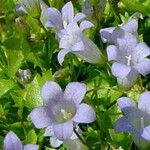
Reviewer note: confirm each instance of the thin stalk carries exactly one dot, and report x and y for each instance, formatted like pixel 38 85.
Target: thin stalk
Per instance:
pixel 81 139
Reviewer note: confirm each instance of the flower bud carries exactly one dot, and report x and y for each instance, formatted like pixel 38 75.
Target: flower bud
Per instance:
pixel 32 7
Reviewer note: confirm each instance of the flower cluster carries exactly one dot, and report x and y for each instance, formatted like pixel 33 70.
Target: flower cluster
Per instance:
pixel 129 56
pixel 136 120
pixel 62 112
pixel 69 33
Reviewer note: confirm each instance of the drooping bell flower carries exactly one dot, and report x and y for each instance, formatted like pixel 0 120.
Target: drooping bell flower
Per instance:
pixel 72 40
pixel 59 20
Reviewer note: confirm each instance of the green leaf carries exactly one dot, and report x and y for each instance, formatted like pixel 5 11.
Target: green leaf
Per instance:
pixel 47 75
pixel 5 86
pixel 120 139
pixel 15 59
pixel 48 148
pixel 137 6
pixel 33 98
pixel 1 110
pixel 12 43
pixel 31 137
pixel 18 128
pixel 1 142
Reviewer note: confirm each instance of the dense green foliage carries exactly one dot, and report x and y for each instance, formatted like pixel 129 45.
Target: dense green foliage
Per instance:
pixel 26 44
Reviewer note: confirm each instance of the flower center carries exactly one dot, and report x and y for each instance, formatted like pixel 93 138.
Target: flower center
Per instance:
pixel 64 111
pixel 65 115
pixel 128 60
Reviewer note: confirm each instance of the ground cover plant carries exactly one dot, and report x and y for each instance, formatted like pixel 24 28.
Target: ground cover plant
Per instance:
pixel 74 75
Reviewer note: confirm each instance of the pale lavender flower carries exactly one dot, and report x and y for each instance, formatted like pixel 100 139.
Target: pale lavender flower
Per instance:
pixel 62 111
pixel 60 20
pixel 68 33
pixel 12 142
pixel 130 26
pixel 72 40
pixel 129 57
pixel 136 119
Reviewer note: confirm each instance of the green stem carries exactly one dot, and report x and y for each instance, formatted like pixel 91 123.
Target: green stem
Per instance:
pixel 114 9
pixel 41 25
pixel 107 88
pixel 81 139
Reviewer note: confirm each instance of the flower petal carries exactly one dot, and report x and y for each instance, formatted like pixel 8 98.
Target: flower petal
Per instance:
pixel 122 125
pixel 79 46
pixel 131 26
pixel 136 15
pixel 143 67
pixel 145 133
pixel 120 70
pixel 75 92
pixel 106 34
pixel 31 147
pixel 123 39
pixel 49 131
pixel 72 29
pixel 66 42
pixel 112 52
pixel 140 52
pixel 90 53
pixel 54 19
pixel 51 91
pixel 12 141
pixel 40 117
pixel 67 12
pixel 84 114
pixel 55 142
pixel 63 131
pixel 144 102
pixel 79 16
pixel 126 104
pixel 85 25
pixel 44 17
pixel 61 55
pixel 129 80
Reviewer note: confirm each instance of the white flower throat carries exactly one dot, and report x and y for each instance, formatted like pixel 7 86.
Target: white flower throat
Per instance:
pixel 65 23
pixel 65 115
pixel 64 111
pixel 129 58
